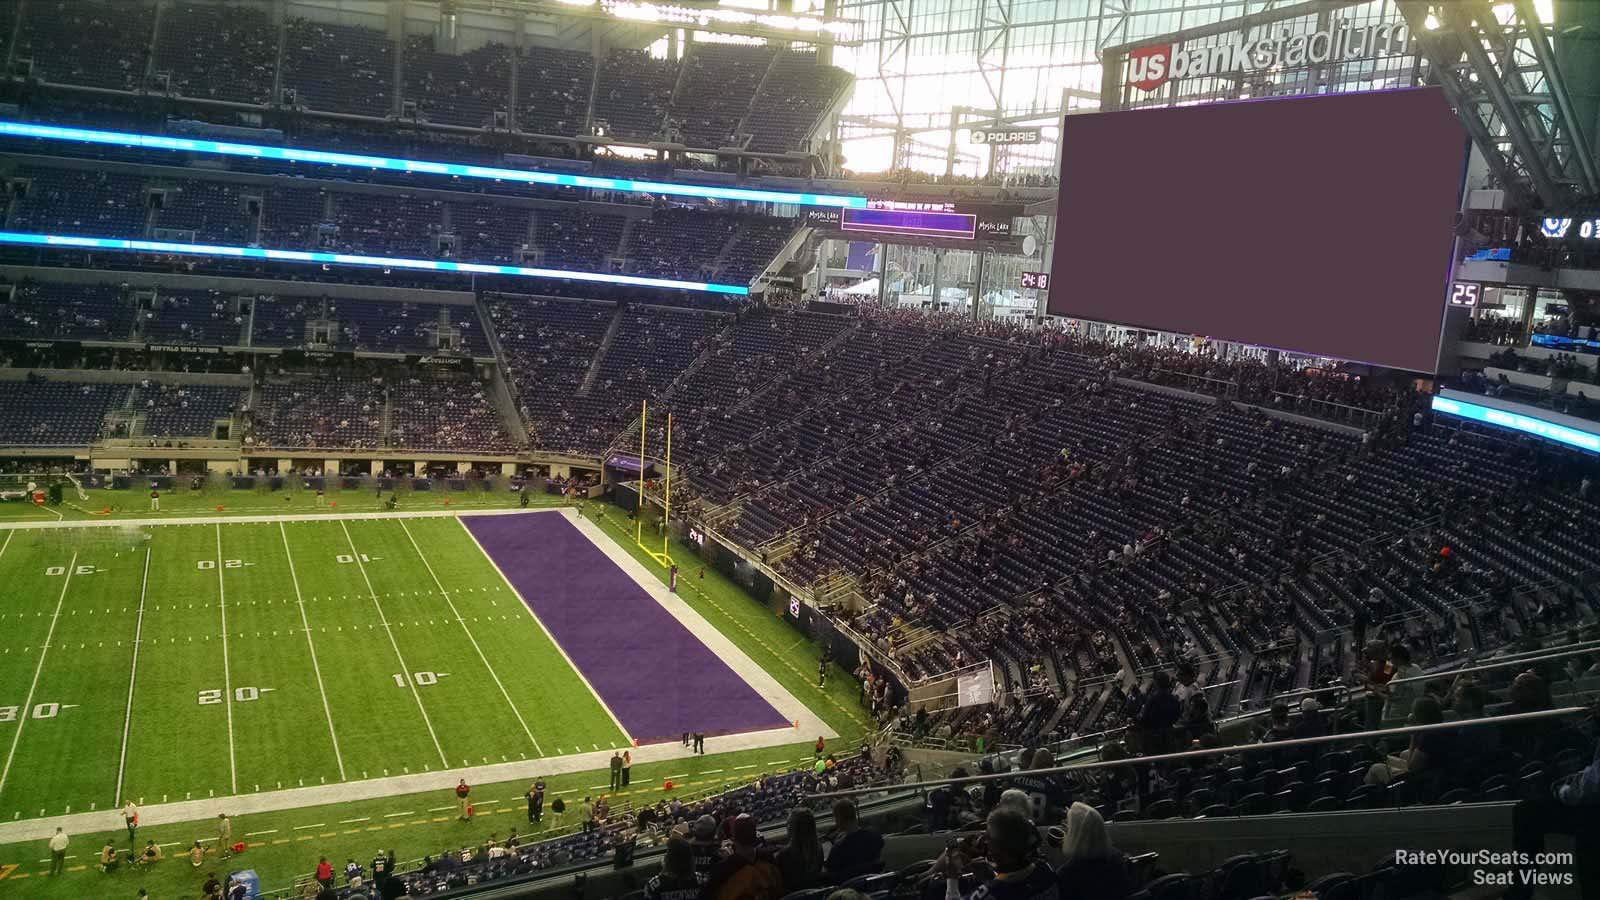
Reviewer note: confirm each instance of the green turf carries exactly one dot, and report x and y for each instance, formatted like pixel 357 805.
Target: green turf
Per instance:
pixel 426 659
pixel 178 746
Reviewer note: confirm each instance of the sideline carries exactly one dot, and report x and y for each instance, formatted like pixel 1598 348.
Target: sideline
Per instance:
pixel 260 518
pixel 377 788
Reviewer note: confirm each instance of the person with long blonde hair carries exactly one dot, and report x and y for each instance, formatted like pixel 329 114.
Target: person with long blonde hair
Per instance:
pixel 1093 868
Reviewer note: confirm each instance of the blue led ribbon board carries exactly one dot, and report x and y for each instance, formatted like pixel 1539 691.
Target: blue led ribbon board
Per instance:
pixel 417 166
pixel 348 259
pixel 1581 438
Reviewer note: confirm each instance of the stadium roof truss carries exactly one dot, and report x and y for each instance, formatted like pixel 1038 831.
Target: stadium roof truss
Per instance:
pixel 771 24
pixel 1499 66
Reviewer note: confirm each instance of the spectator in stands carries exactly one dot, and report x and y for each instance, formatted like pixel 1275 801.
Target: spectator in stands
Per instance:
pixel 1092 868
pixel 1047 795
pixel 1160 712
pixel 801 862
pixel 704 846
pixel 1188 682
pixel 1473 743
pixel 1196 720
pixel 1279 728
pixel 992 787
pixel 857 849
pixel 747 872
pixel 944 804
pixel 1529 693
pixel 1312 721
pixel 677 879
pixel 1017 799
pixel 1012 844
pixel 1573 807
pixel 1401 696
pixel 1376 673
pixel 1427 749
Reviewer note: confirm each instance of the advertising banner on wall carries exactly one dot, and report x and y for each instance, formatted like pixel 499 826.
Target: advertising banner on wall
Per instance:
pixel 1150 67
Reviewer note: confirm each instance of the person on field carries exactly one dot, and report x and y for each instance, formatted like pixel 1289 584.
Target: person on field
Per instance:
pixel 462 793
pixel 586 815
pixel 224 834
pixel 535 802
pixel 382 868
pixel 616 770
pixel 627 767
pixel 58 852
pixel 130 818
pixel 108 857
pixel 151 854
pixel 324 874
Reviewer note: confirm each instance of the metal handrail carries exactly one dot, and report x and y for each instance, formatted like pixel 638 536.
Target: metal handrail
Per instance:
pixel 1528 657
pixel 1274 746
pixel 1121 728
pixel 1498 664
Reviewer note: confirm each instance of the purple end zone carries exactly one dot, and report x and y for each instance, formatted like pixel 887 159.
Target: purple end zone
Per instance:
pixel 659 679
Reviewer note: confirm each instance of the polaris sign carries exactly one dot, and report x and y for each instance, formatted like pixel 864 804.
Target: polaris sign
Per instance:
pixel 1148 68
pixel 1012 135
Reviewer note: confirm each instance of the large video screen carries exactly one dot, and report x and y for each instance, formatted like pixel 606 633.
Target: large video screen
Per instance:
pixel 1319 225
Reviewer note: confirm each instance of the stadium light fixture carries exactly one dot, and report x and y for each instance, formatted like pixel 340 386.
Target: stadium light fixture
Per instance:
pixel 316 257
pixel 422 167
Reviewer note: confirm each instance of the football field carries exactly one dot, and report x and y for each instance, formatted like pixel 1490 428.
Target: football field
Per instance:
pixel 190 661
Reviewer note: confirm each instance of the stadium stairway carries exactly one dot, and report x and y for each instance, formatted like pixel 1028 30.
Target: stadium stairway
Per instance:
pixel 501 395
pixel 600 352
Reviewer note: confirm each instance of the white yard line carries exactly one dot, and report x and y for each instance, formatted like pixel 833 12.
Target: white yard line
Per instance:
pixel 227 676
pixel 315 666
pixel 626 737
pixel 454 612
pixel 133 675
pixel 410 682
pixel 27 705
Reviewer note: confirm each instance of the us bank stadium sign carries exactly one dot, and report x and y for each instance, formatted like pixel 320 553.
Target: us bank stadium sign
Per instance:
pixel 1148 68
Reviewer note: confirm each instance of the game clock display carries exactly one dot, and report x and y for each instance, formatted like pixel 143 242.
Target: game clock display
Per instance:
pixel 1465 294
pixel 1039 281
